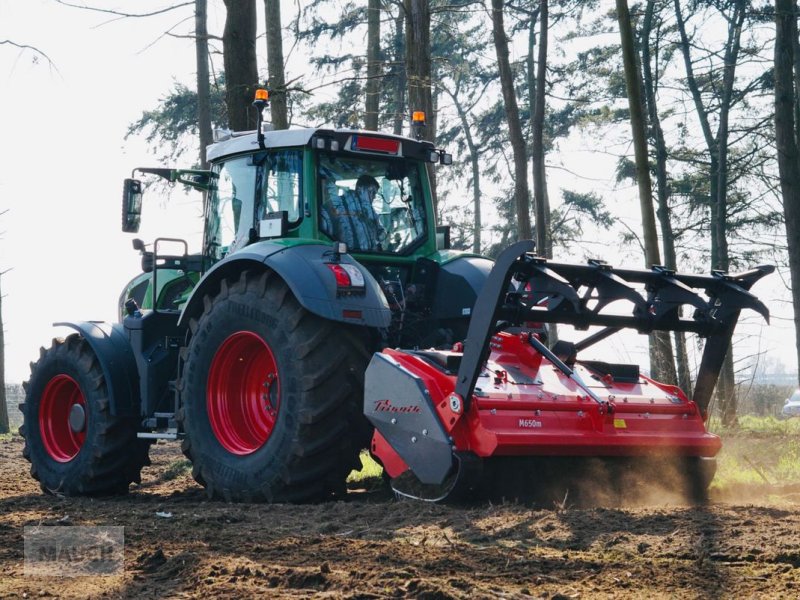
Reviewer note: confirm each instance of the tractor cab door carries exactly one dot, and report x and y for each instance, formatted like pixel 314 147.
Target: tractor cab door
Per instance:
pixel 250 189
pixel 230 207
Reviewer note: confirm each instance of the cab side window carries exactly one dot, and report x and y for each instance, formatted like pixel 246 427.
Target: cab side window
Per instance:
pixel 283 187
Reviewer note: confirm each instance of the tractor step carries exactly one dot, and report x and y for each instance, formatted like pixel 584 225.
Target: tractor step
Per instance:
pixel 165 435
pixel 164 424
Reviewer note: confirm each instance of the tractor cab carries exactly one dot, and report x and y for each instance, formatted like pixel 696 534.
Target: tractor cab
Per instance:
pixel 364 193
pixel 366 190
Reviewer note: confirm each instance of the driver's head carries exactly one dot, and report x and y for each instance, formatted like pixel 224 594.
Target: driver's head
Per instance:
pixel 367 183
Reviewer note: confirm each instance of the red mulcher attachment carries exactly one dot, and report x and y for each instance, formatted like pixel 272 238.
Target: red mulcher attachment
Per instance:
pixel 444 419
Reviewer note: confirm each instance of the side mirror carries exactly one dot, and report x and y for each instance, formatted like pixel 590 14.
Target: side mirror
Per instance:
pixel 443 237
pixel 131 205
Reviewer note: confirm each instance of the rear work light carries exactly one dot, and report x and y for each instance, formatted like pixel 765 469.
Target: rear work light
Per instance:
pixel 365 143
pixel 349 278
pixel 322 143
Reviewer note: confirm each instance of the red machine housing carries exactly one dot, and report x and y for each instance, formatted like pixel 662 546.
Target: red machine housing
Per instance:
pixel 523 405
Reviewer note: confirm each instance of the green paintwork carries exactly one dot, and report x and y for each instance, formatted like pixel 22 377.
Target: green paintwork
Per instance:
pixel 166 278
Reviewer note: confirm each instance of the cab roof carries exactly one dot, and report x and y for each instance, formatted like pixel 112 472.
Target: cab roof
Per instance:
pixel 247 141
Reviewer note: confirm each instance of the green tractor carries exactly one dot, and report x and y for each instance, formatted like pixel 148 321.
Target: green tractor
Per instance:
pixel 320 248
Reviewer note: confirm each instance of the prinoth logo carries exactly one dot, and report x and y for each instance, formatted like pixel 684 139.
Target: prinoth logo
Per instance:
pixel 530 423
pixel 387 407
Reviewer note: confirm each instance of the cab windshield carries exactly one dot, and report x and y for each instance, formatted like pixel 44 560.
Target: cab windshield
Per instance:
pixel 372 205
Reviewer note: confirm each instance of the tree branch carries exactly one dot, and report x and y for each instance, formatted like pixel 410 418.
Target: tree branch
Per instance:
pixel 122 14
pixel 33 49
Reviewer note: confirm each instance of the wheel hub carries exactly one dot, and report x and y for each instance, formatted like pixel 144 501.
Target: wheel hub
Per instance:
pixel 77 418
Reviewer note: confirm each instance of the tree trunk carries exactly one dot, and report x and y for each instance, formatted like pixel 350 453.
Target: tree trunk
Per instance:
pixel 418 59
pixel 241 73
pixel 418 72
pixel 541 208
pixel 277 82
pixel 4 428
pixel 683 376
pixel 718 175
pixel 373 65
pixel 399 74
pixel 203 80
pixel 661 361
pixel 521 194
pixel 786 139
pixel 474 160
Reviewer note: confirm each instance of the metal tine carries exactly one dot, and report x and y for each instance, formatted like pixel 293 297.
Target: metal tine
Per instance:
pixel 550 283
pixel 732 298
pixel 667 294
pixel 610 288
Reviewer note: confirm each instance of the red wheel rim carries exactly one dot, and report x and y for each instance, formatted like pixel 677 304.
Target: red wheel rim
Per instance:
pixel 60 441
pixel 243 393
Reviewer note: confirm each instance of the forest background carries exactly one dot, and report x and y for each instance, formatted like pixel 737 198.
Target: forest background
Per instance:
pixel 92 90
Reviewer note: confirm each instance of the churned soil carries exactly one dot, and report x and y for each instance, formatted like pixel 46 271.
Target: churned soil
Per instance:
pixel 178 544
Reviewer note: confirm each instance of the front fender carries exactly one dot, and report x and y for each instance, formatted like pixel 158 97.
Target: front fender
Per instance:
pixel 113 351
pixel 303 269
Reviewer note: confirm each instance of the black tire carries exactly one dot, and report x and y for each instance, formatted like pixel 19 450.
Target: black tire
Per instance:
pixel 103 458
pixel 317 428
pixel 698 475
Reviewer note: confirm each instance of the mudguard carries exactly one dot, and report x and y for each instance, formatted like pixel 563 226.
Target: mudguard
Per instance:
pixel 303 269
pixel 110 345
pixel 460 282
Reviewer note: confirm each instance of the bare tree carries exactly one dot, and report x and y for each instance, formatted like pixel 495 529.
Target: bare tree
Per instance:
pixel 278 104
pixel 203 79
pixel 718 147
pixel 787 135
pixel 397 73
pixel 521 193
pixel 241 69
pixel 541 205
pixel 418 60
pixel 650 87
pixel 373 64
pixel 201 38
pixel 418 70
pixel 474 156
pixel 661 363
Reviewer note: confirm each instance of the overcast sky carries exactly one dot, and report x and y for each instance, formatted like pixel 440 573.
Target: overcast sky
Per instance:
pixel 64 158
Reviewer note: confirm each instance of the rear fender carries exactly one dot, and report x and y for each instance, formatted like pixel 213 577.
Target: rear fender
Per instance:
pixel 110 345
pixel 312 283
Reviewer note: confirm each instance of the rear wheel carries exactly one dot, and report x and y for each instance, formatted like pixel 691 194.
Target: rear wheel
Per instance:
pixel 74 444
pixel 271 396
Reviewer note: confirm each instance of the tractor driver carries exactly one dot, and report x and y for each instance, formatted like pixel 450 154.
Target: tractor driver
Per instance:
pixel 366 189
pixel 350 217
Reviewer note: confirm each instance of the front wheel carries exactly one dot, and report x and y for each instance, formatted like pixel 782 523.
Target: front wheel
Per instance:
pixel 73 442
pixel 271 396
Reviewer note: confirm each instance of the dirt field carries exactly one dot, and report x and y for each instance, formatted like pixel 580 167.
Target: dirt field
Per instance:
pixel 372 546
